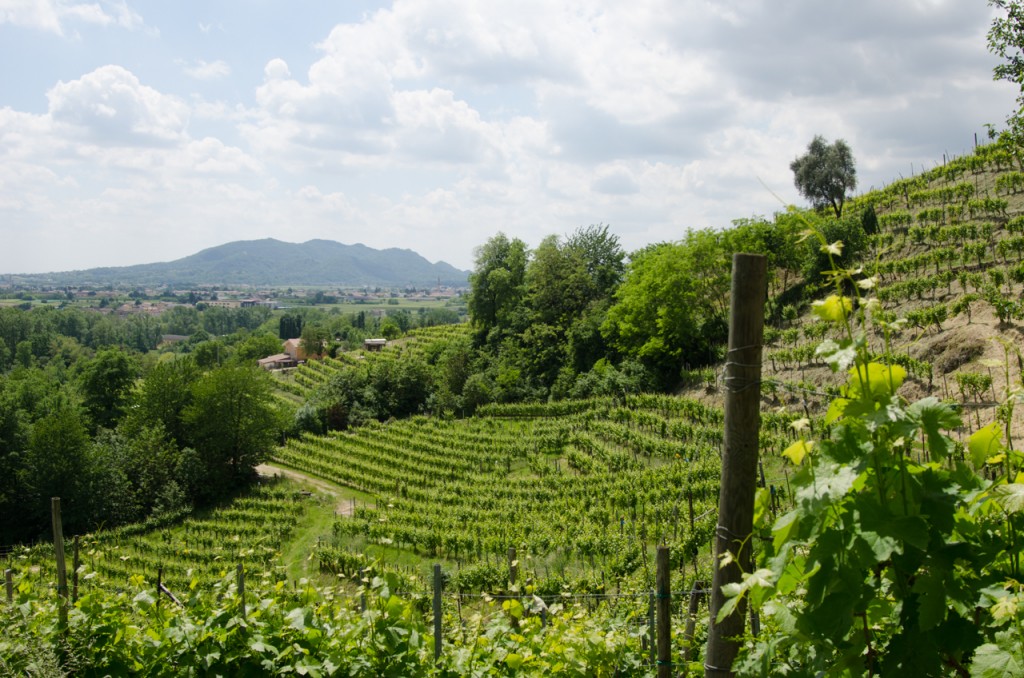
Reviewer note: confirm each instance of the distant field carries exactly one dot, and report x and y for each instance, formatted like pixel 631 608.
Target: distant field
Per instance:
pixel 407 304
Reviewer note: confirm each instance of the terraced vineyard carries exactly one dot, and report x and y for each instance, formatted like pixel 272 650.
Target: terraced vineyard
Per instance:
pixel 585 484
pixel 190 550
pixel 305 378
pixel 948 259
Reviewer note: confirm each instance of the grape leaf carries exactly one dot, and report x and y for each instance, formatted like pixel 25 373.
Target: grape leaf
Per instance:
pixel 1009 497
pixel 984 443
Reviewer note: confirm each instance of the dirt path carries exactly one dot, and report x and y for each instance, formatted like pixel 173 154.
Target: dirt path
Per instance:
pixel 344 505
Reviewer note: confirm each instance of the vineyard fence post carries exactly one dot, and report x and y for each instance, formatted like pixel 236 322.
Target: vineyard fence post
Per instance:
pixel 74 570
pixel 664 585
pixel 437 612
pixel 696 593
pixel 362 595
pixel 740 453
pixel 9 585
pixel 241 588
pixel 652 640
pixel 62 575
pixel 513 566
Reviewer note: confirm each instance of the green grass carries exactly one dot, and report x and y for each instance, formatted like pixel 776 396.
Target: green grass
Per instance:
pixel 296 554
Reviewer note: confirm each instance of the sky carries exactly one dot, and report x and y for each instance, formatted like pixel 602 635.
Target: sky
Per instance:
pixel 136 131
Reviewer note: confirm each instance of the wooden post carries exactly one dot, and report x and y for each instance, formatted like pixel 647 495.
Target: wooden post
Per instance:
pixel 739 459
pixel 652 630
pixel 9 585
pixel 696 593
pixel 664 613
pixel 513 566
pixel 74 571
pixel 437 612
pixel 362 589
pixel 159 585
pixel 62 575
pixel 241 589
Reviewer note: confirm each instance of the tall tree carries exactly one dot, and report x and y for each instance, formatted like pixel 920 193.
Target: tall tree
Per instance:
pixel 106 382
pixel 1006 40
pixel 667 310
pixel 232 422
pixel 825 174
pixel 57 465
pixel 164 396
pixel 497 283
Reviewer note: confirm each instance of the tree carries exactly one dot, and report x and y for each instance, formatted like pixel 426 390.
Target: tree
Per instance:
pixel 232 422
pixel 57 465
pixel 668 310
pixel 497 284
pixel 825 173
pixel 1006 40
pixel 106 382
pixel 164 396
pixel 314 339
pixel 257 346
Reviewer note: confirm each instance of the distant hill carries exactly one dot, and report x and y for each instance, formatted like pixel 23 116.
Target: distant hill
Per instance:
pixel 271 262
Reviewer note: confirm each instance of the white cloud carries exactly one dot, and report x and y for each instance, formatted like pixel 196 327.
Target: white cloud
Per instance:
pixel 31 14
pixel 432 124
pixel 213 70
pixel 110 106
pixel 51 15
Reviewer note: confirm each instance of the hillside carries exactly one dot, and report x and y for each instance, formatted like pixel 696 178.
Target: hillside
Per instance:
pixel 948 258
pixel 574 496
pixel 271 262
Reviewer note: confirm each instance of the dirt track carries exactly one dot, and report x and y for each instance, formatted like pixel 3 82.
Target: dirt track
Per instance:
pixel 344 505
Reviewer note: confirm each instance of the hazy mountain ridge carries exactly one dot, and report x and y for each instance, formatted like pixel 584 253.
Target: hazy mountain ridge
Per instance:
pixel 271 262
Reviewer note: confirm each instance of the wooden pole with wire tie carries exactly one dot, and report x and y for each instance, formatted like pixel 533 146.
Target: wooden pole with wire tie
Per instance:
pixel 739 458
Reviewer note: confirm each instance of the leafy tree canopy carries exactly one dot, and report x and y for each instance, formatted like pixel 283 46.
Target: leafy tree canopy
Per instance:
pixel 825 174
pixel 1006 41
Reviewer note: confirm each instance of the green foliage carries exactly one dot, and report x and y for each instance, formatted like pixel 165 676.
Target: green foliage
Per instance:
pixel 854 243
pixel 257 346
pixel 233 422
pixel 163 396
pixel 311 632
pixel 825 174
pixel 56 464
pixel 497 284
pixel 894 546
pixel 106 382
pixel 1006 41
pixel 670 306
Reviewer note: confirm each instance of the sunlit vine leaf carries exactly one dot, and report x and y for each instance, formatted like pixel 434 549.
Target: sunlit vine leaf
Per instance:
pixel 1009 497
pixel 798 450
pixel 984 443
pixel 834 308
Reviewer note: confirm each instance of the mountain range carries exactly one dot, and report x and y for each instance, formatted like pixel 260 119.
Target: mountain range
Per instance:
pixel 273 263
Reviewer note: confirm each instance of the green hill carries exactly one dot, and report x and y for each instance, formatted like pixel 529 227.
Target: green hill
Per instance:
pixel 271 262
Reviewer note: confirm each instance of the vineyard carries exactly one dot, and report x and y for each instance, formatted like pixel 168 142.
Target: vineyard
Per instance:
pixel 947 266
pixel 575 496
pixel 301 381
pixel 578 485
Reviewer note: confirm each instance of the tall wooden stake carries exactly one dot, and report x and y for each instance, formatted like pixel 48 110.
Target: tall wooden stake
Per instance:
pixel 739 459
pixel 62 575
pixel 74 571
pixel 9 585
pixel 513 566
pixel 241 590
pixel 696 593
pixel 664 588
pixel 437 612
